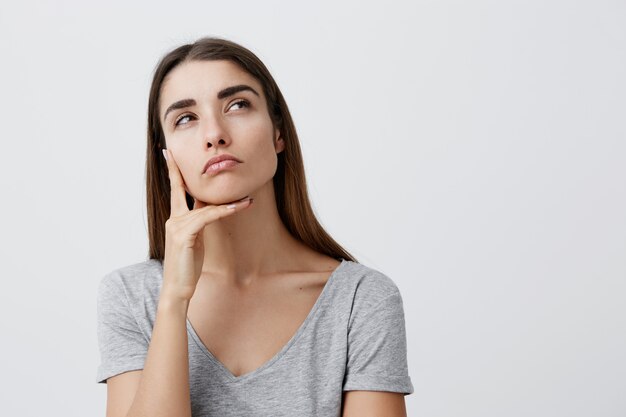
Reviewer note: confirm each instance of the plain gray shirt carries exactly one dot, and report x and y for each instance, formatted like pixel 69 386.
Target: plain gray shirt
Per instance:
pixel 354 338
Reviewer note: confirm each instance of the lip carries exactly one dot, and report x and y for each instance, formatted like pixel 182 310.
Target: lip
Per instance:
pixel 220 158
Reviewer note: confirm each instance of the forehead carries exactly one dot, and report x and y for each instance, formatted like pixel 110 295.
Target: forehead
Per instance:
pixel 202 80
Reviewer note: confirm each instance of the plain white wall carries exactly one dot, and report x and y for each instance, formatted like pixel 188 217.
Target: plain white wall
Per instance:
pixel 473 151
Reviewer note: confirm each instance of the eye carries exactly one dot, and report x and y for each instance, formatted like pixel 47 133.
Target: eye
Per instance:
pixel 244 103
pixel 181 118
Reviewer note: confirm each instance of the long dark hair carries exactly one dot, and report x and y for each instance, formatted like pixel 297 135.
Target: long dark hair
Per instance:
pixel 290 188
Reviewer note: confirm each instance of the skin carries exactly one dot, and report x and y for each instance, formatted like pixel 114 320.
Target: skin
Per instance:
pixel 242 249
pixel 251 270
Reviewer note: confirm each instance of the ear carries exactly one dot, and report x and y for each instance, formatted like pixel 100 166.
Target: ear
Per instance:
pixel 279 142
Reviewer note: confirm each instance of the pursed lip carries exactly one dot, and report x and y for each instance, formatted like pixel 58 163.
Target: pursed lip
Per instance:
pixel 219 158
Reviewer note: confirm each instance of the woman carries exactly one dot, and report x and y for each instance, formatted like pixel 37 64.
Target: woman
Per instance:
pixel 246 307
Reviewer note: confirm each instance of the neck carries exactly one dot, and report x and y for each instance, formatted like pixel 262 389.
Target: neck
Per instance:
pixel 251 243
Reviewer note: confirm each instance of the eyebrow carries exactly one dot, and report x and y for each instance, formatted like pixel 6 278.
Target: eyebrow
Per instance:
pixel 222 94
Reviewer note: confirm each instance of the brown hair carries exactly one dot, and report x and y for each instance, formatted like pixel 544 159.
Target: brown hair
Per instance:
pixel 290 189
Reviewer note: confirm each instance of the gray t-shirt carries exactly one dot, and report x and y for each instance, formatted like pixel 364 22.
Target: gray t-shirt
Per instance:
pixel 354 338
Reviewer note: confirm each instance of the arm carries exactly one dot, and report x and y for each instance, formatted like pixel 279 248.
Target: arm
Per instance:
pixel 373 404
pixel 162 388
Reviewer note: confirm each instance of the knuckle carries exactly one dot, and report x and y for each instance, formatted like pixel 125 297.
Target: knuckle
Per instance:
pixel 171 226
pixel 225 211
pixel 211 212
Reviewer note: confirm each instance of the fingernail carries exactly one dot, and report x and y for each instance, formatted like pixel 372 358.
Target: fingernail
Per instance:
pixel 164 154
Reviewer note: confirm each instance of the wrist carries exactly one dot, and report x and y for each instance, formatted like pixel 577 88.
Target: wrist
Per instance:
pixel 172 299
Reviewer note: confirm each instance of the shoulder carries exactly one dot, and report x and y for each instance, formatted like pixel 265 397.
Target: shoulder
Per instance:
pixel 370 282
pixel 131 280
pixel 370 286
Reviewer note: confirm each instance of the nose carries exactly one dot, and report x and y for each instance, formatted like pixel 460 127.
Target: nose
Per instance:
pixel 220 142
pixel 215 134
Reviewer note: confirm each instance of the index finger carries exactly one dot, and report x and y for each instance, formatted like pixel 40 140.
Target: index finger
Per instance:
pixel 178 203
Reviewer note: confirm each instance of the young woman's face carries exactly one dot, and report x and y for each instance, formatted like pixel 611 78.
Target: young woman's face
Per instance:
pixel 237 124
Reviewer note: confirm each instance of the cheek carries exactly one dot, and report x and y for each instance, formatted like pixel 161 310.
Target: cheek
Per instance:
pixel 262 161
pixel 267 152
pixel 183 162
pixel 261 146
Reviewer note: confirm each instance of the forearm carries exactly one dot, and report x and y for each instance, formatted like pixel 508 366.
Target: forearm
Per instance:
pixel 163 390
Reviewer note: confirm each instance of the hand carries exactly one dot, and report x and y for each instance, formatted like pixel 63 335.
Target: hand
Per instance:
pixel 184 239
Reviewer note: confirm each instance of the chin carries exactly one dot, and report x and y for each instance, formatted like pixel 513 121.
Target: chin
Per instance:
pixel 221 198
pixel 229 191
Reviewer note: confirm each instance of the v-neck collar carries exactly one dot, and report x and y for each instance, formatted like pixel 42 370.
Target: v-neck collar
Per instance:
pixel 229 375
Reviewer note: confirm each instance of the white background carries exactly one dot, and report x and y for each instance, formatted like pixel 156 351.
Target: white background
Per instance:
pixel 473 151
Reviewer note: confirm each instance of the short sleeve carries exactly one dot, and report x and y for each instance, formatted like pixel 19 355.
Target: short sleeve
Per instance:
pixel 377 349
pixel 122 345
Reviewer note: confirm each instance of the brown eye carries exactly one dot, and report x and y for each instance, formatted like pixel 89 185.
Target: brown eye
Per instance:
pixel 244 103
